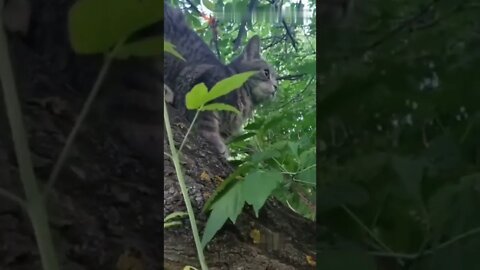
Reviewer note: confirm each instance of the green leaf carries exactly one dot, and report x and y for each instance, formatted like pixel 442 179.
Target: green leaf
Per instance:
pixel 242 137
pixel 210 5
pixel 229 84
pixel 410 172
pixel 215 222
pixel 229 206
pixel 170 48
pixel 309 67
pixel 227 184
pixel 309 175
pixel 147 47
pixel 196 97
pixel 96 26
pixel 345 260
pixel 294 148
pixel 265 154
pixel 175 215
pixel 255 125
pixel 258 186
pixel 220 107
pixel 170 224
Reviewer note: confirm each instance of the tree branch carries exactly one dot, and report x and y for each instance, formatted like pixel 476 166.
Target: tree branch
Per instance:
pixel 242 31
pixel 289 34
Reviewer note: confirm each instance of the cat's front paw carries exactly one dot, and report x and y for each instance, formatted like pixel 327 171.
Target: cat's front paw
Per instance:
pixel 226 153
pixel 169 96
pixel 222 149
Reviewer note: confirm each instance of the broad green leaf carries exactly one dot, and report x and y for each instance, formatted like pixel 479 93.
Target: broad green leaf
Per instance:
pixel 229 84
pixel 258 186
pixel 215 222
pixel 227 184
pixel 170 48
pixel 146 47
pixel 294 148
pixel 96 26
pixel 309 175
pixel 196 97
pixel 345 260
pixel 229 206
pixel 220 107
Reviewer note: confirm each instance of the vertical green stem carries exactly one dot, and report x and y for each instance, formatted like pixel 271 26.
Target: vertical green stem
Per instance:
pixel 183 187
pixel 34 201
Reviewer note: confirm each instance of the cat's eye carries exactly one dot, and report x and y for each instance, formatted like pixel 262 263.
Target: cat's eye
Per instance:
pixel 267 73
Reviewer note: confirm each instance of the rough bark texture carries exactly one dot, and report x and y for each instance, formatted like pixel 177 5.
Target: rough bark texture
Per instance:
pixel 106 209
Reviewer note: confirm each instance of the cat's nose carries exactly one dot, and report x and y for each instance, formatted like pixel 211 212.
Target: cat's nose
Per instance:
pixel 275 88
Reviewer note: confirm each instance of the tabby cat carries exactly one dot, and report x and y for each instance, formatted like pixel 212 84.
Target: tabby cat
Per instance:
pixel 202 65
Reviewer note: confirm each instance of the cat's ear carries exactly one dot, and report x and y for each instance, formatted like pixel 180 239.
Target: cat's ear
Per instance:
pixel 252 50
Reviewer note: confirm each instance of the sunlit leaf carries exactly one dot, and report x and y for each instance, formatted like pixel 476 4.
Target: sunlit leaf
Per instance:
pixel 220 107
pixel 229 84
pixel 196 97
pixel 170 48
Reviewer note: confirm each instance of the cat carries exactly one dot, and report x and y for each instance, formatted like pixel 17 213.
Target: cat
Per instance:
pixel 201 65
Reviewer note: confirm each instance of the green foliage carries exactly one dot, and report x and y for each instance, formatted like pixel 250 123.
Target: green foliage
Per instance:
pixel 96 26
pixel 254 190
pixel 398 119
pixel 170 48
pixel 146 47
pixel 199 96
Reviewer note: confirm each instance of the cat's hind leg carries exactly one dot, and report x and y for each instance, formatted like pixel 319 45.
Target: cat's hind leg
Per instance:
pixel 208 127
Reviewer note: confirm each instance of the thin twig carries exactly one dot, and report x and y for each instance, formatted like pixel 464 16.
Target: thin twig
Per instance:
pixel 86 108
pixel 289 34
pixel 369 232
pixel 291 77
pixel 401 27
pixel 299 94
pixel 430 251
pixel 189 129
pixel 242 31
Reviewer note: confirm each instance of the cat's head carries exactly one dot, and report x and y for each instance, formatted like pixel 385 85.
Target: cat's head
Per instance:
pixel 262 85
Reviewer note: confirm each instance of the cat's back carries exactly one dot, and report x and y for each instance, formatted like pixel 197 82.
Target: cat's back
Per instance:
pixel 186 41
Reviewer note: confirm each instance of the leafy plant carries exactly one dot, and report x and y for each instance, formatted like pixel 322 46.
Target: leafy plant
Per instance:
pixel 396 108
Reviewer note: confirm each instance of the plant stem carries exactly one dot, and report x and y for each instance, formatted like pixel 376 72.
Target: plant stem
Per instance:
pixel 34 200
pixel 370 233
pixel 81 117
pixel 183 187
pixel 189 129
